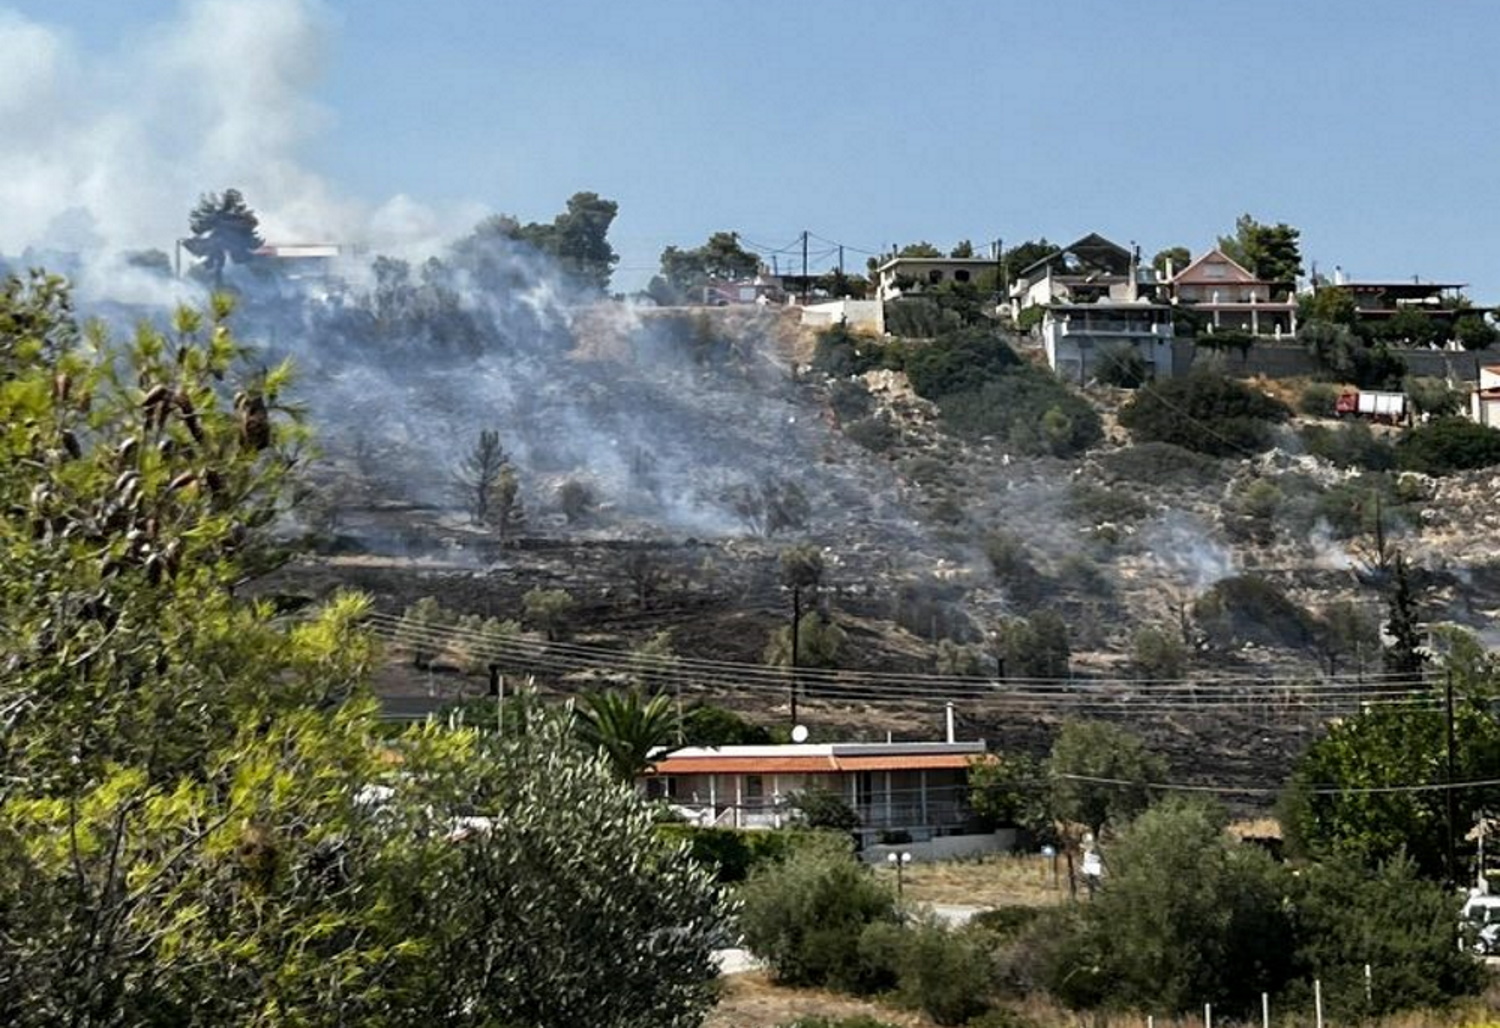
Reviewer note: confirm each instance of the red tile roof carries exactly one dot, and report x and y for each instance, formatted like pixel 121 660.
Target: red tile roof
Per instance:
pixel 730 765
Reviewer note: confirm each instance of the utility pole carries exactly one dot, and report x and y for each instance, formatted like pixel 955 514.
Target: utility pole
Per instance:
pixel 796 626
pixel 1451 798
pixel 804 267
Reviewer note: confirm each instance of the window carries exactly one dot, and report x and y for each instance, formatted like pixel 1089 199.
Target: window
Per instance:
pixel 935 276
pixel 961 275
pixel 755 790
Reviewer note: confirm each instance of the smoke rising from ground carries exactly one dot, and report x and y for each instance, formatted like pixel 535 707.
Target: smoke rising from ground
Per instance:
pixel 108 151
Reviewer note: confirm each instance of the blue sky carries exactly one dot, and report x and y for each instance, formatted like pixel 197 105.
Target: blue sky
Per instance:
pixel 1371 126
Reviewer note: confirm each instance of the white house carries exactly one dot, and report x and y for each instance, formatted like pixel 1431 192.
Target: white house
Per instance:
pixel 1077 336
pixel 1484 401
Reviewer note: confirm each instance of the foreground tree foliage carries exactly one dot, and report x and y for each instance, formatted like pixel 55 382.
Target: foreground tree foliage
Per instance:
pixel 196 823
pixel 1188 915
pixel 1336 801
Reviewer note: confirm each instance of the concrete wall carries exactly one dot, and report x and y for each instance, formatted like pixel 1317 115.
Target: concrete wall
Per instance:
pixel 945 847
pixel 861 315
pixel 1288 360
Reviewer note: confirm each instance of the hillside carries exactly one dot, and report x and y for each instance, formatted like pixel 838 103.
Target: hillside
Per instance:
pixel 694 433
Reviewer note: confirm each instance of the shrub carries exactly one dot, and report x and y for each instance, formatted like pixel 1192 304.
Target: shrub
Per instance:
pixel 708 725
pixel 549 610
pixel 850 400
pixel 1029 409
pixel 735 853
pixel 1204 411
pixel 1009 922
pixel 1036 647
pixel 1317 400
pixel 804 918
pixel 1448 445
pixel 1473 332
pixel 1092 504
pixel 943 972
pixel 1404 928
pixel 1433 397
pixel 857 1021
pixel 1158 464
pixel 825 809
pixel 875 434
pixel 958 362
pixel 839 353
pixel 1158 654
pixel 1251 510
pixel 575 499
pixel 1349 446
pixel 1248 609
pixel 1188 913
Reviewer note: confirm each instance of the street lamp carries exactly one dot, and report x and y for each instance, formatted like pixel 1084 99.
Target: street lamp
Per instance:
pixel 899 862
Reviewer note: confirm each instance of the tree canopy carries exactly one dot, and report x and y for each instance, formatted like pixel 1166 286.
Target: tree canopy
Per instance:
pixel 225 230
pixel 197 823
pixel 1271 253
pixel 577 239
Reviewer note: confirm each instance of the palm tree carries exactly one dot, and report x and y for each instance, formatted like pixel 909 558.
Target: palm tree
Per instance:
pixel 626 727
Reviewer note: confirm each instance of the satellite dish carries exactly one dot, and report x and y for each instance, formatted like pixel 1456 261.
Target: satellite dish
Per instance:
pixel 799 733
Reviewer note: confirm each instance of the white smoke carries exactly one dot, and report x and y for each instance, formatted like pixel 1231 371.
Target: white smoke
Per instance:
pixel 110 151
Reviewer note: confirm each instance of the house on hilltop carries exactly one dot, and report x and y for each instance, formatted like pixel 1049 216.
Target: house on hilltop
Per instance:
pixel 1090 269
pixel 906 276
pixel 1230 297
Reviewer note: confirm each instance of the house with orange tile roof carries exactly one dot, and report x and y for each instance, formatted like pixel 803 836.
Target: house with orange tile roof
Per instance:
pixel 909 791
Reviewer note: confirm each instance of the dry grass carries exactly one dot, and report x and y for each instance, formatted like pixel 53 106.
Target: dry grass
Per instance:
pixel 750 1001
pixel 993 881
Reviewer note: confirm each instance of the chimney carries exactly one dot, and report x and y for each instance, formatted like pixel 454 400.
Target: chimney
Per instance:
pixel 948 717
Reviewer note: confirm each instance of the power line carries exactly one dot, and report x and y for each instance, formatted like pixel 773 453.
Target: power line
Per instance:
pixel 1316 790
pixel 535 656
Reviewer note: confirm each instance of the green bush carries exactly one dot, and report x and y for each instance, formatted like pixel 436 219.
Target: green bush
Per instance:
pixel 1158 654
pixel 1447 445
pixel 1350 508
pixel 1008 922
pixel 1347 915
pixel 804 918
pixel 857 1021
pixel 1433 397
pixel 839 353
pixel 1091 504
pixel 943 972
pixel 1349 446
pixel 1248 609
pixel 958 362
pixel 1159 464
pixel 1317 400
pixel 1204 411
pixel 1027 408
pixel 825 809
pixel 735 854
pixel 1251 510
pixel 1187 915
pixel 1036 647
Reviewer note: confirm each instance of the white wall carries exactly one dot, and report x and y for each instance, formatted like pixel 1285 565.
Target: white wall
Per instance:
pixel 946 847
